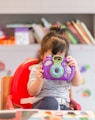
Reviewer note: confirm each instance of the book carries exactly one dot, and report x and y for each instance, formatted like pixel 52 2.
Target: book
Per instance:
pixel 84 32
pixel 22 36
pixel 38 31
pixel 81 31
pixel 18 25
pixel 75 36
pixel 31 37
pixel 8 115
pixel 35 114
pixel 46 24
pixel 88 33
pixel 36 37
pixel 69 34
pixel 66 38
pixel 75 32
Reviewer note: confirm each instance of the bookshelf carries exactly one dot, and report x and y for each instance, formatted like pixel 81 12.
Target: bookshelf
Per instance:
pixel 33 10
pixel 5 19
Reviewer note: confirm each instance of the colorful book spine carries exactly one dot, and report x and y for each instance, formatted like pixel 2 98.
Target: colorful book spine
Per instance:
pixel 75 32
pixel 88 33
pixel 69 34
pixel 81 32
pixel 38 30
pixel 45 23
pixel 84 33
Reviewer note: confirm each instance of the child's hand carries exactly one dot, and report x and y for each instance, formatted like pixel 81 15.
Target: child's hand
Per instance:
pixel 76 81
pixel 39 73
pixel 71 61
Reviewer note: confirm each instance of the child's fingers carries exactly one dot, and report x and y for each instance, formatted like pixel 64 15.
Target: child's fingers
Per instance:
pixel 71 64
pixel 71 61
pixel 69 58
pixel 40 69
pixel 39 72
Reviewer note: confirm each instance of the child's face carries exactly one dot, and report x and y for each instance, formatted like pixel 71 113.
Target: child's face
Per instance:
pixel 50 53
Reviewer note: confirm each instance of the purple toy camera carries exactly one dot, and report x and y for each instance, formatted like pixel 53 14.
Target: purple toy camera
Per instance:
pixel 55 68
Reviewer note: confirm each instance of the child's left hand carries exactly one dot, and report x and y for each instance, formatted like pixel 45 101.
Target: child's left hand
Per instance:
pixel 71 61
pixel 76 81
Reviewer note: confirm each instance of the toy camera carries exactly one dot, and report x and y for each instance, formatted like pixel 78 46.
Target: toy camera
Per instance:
pixel 55 68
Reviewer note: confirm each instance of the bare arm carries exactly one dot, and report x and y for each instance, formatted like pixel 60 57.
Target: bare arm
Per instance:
pixel 37 84
pixel 77 79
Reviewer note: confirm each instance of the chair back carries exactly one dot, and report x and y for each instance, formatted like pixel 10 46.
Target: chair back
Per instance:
pixel 18 88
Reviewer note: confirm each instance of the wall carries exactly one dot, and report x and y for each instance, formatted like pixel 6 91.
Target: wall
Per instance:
pixel 85 94
pixel 12 56
pixel 50 6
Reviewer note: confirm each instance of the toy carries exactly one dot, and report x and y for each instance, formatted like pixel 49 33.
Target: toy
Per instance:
pixel 55 68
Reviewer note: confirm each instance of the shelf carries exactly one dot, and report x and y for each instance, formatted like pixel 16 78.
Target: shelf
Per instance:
pixel 5 19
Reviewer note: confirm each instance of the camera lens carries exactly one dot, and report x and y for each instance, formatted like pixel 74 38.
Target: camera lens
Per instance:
pixel 57 70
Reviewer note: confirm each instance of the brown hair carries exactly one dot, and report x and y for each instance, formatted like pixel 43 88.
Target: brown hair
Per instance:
pixel 55 42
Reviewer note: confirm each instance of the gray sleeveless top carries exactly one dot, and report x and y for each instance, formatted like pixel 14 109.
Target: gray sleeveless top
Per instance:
pixel 56 88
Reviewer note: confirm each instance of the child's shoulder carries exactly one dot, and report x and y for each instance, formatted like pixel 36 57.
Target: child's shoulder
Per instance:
pixel 33 67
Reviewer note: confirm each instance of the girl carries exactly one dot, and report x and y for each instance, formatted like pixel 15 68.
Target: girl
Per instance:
pixel 52 94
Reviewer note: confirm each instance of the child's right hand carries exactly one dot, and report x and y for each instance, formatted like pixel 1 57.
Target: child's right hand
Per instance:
pixel 39 73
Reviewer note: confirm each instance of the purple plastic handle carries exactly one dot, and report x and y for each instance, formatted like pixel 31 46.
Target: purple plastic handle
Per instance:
pixel 48 63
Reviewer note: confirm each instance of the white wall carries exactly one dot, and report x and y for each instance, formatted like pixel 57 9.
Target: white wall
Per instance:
pixel 47 6
pixel 85 94
pixel 84 54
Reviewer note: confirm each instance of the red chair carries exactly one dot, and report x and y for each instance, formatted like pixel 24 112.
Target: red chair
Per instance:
pixel 18 88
